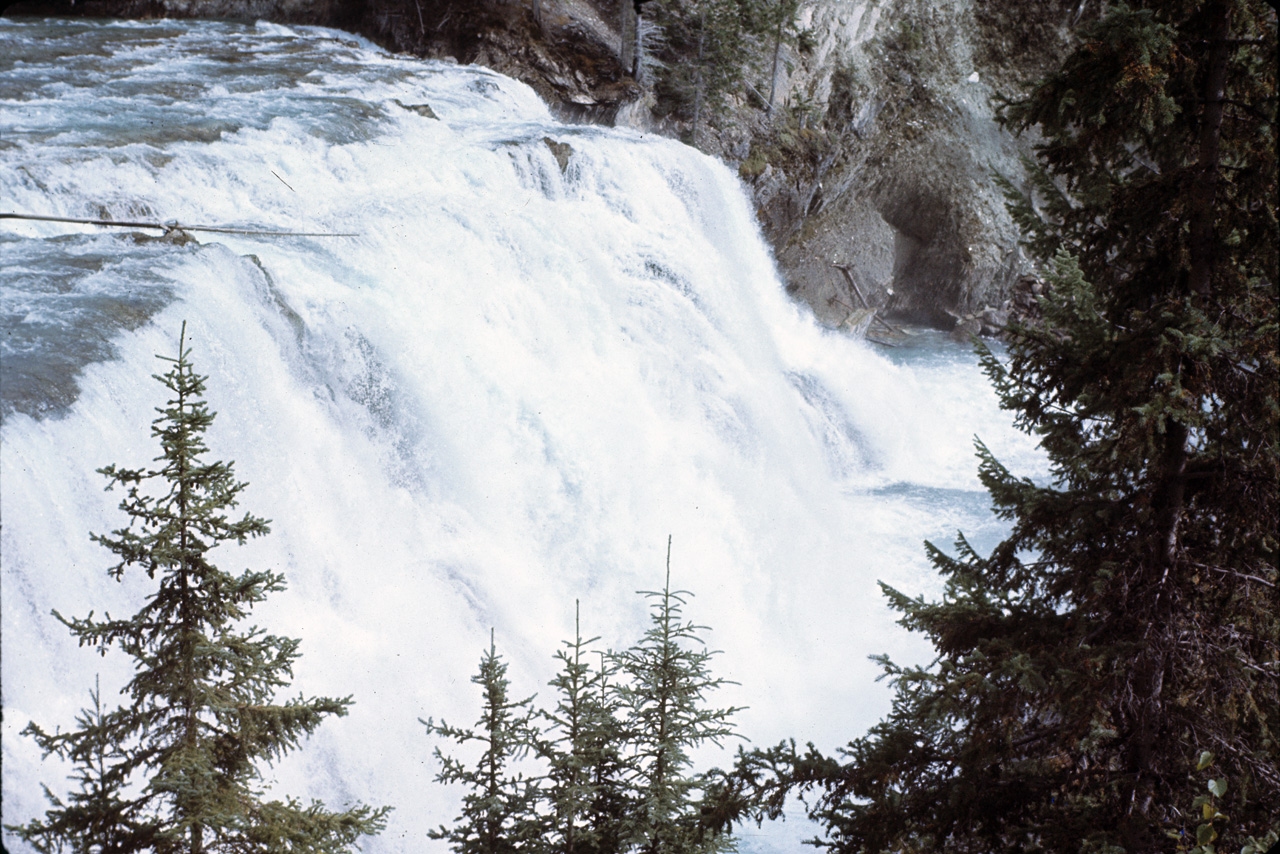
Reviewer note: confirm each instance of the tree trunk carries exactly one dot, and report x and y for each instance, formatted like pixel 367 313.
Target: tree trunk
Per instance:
pixel 773 78
pixel 1207 171
pixel 697 84
pixel 637 60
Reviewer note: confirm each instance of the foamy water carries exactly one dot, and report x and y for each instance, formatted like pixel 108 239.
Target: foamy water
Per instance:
pixel 502 395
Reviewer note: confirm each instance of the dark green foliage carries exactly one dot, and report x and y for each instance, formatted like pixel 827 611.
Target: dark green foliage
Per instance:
pixel 586 789
pixel 617 772
pixel 499 812
pixel 704 48
pixel 664 695
pixel 175 769
pixel 1160 129
pixel 1129 622
pixel 1035 212
pixel 97 818
pixel 700 53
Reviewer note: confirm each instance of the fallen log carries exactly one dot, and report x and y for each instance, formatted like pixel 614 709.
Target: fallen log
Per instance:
pixel 174 226
pixel 854 286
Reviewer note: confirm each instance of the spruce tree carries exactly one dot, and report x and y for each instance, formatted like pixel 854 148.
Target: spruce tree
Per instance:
pixel 775 19
pixel 499 813
pixel 701 53
pixel 586 791
pixel 97 817
pixel 1130 622
pixel 175 769
pixel 664 696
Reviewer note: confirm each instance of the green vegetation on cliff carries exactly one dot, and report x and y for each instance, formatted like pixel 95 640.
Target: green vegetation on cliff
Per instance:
pixel 702 47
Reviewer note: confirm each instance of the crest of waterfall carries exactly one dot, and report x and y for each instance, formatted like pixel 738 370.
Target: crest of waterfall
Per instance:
pixel 547 348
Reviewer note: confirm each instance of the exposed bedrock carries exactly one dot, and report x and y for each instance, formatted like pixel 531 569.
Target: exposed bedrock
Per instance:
pixel 896 179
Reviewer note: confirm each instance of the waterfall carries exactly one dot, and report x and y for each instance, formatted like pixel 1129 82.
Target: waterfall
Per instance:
pixel 546 348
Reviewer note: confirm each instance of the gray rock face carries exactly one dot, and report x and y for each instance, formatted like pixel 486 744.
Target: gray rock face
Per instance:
pixel 907 89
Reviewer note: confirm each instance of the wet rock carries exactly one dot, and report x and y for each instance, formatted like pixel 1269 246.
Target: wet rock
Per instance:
pixel 175 236
pixel 899 185
pixel 1024 305
pixel 994 321
pixel 966 329
pixel 562 151
pixel 421 109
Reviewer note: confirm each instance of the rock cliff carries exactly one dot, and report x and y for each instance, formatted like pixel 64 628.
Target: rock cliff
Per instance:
pixel 872 170
pixel 900 190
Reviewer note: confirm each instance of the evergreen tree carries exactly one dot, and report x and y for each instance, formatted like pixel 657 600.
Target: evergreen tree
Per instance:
pixel 668 678
pixel 616 750
pixel 499 813
pixel 200 714
pixel 702 51
pixel 98 819
pixel 1129 623
pixel 706 50
pixel 776 19
pixel 586 792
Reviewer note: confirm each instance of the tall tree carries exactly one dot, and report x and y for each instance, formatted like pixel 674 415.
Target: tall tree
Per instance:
pixel 1129 623
pixel 777 20
pixel 586 792
pixel 200 715
pixel 499 813
pixel 664 695
pixel 701 51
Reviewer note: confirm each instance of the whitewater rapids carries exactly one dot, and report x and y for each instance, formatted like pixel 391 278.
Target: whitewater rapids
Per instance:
pixel 499 397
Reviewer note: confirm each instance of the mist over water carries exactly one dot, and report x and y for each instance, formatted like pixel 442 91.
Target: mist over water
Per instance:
pixel 498 398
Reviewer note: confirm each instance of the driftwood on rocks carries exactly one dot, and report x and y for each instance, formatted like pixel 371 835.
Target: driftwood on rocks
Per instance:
pixel 875 316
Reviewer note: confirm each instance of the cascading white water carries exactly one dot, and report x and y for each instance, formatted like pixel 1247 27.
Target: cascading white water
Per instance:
pixel 498 398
